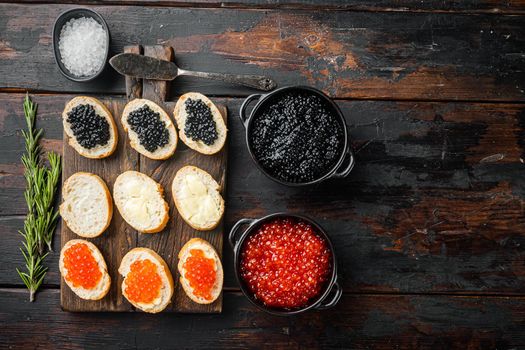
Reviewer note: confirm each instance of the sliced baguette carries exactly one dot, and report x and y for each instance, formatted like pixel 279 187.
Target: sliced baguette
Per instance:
pixel 160 153
pixel 140 201
pixel 87 207
pixel 197 198
pixel 210 253
pixel 167 287
pixel 99 151
pixel 102 288
pixel 180 116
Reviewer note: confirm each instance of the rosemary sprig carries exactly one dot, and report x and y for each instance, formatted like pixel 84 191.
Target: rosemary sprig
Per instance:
pixel 41 218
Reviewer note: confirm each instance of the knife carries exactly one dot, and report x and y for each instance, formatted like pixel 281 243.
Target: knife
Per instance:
pixel 152 68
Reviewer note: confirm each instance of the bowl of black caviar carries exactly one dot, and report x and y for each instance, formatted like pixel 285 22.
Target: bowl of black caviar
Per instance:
pixel 297 136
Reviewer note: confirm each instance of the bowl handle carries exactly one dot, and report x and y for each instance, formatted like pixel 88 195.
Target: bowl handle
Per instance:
pixel 242 110
pixel 335 298
pixel 235 228
pixel 344 170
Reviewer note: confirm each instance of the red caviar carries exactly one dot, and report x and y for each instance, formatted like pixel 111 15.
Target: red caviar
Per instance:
pixel 143 282
pixel 201 273
pixel 286 263
pixel 82 268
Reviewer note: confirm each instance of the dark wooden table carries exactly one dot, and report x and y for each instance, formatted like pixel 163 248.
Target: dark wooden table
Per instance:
pixel 430 226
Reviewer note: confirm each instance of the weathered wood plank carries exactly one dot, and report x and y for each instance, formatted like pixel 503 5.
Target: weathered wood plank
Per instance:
pixel 133 85
pixel 119 237
pixel 169 241
pixel 12 256
pixel 347 54
pixel 467 6
pixel 435 203
pixel 357 322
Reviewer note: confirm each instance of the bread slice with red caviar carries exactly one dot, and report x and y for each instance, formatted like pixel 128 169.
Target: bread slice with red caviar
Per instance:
pixel 181 115
pixel 140 201
pixel 87 207
pixel 99 150
pixel 84 269
pixel 161 152
pixel 148 283
pixel 206 292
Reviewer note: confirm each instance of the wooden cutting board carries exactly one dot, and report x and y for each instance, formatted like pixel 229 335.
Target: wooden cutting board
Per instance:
pixel 119 238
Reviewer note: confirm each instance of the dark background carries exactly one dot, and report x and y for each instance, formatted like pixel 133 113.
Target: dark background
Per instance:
pixel 429 228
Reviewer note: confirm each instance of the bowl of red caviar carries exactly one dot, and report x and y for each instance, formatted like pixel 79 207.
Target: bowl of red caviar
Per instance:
pixel 285 264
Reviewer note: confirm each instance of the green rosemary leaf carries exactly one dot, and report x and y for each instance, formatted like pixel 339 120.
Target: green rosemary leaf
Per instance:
pixel 41 188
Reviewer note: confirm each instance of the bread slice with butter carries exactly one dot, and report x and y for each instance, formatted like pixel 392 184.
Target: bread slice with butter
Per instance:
pixel 197 198
pixel 99 150
pixel 181 115
pixel 133 287
pixel 209 253
pixel 140 201
pixel 87 207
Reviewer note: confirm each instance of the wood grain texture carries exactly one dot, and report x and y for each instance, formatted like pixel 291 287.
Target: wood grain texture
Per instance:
pixel 347 54
pixel 359 322
pixel 133 85
pixel 435 203
pixel 157 90
pixel 463 6
pixel 119 237
pixel 169 241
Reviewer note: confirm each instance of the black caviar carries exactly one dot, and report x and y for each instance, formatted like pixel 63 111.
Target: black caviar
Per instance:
pixel 89 128
pixel 150 129
pixel 297 138
pixel 200 125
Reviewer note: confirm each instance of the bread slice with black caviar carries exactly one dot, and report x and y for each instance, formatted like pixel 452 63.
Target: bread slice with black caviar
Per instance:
pixel 201 125
pixel 90 127
pixel 150 129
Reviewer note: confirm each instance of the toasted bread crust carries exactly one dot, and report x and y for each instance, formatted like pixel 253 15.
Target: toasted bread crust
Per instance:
pixel 166 273
pixel 105 279
pixel 109 117
pixel 160 190
pixel 220 273
pixel 180 109
pixel 178 203
pixel 108 199
pixel 134 143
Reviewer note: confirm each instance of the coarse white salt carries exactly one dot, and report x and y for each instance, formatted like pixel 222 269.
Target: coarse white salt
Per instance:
pixel 82 46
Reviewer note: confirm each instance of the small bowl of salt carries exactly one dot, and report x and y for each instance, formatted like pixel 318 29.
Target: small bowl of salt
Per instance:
pixel 81 44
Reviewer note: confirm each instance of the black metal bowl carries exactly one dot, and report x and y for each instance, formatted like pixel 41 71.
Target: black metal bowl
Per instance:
pixel 346 160
pixel 59 23
pixel 319 303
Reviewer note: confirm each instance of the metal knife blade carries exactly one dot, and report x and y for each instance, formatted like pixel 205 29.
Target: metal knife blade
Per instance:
pixel 143 67
pixel 154 69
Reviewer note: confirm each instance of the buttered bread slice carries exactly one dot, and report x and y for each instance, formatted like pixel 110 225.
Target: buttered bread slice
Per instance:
pixel 87 207
pixel 197 198
pixel 139 199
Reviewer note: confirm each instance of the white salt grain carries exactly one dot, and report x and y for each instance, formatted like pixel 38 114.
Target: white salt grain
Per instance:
pixel 82 46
